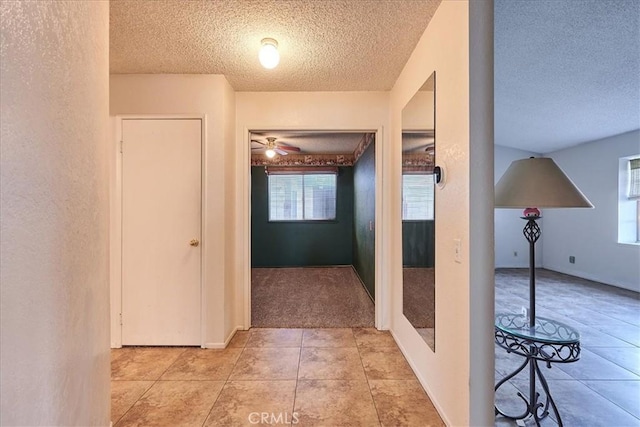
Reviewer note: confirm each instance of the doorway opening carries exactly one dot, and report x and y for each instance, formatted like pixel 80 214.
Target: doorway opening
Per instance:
pixel 312 229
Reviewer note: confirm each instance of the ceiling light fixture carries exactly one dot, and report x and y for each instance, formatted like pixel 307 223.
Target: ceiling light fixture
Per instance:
pixel 269 56
pixel 270 153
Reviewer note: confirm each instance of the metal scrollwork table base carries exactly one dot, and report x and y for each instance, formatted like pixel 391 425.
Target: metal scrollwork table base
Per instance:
pixel 546 341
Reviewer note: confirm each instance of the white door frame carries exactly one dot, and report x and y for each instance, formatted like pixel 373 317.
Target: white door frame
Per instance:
pixel 381 290
pixel 115 221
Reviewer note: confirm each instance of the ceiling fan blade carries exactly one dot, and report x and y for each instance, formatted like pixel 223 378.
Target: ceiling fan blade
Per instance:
pixel 258 142
pixel 288 148
pixel 279 151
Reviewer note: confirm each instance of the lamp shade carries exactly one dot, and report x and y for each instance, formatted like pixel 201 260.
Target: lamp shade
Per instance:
pixel 537 182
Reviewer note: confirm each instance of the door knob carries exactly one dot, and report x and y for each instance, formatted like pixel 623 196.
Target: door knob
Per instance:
pixel 194 242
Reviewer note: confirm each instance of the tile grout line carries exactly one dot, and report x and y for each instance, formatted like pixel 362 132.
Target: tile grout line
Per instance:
pixel 295 390
pixel 134 403
pixel 614 362
pixel 150 387
pixel 366 376
pixel 225 382
pixel 605 397
pixel 581 320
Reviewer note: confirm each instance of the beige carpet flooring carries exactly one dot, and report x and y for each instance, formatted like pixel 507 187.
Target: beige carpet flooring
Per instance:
pixel 309 297
pixel 418 303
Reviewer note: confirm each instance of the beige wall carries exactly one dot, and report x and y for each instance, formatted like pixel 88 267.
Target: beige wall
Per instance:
pixel 54 303
pixel 451 375
pixel 213 97
pixel 231 222
pixel 417 114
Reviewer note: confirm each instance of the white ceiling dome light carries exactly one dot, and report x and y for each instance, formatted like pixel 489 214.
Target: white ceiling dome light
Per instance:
pixel 269 56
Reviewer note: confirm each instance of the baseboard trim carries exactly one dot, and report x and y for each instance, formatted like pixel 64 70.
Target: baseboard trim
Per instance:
pixel 218 345
pixel 421 380
pixel 362 283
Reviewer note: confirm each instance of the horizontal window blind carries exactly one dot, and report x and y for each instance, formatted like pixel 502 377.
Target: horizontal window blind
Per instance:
pixel 634 178
pixel 417 197
pixel 303 197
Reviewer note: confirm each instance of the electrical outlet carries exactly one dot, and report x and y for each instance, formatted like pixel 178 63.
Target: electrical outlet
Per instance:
pixel 457 248
pixel 525 312
pixel 572 260
pixel 515 253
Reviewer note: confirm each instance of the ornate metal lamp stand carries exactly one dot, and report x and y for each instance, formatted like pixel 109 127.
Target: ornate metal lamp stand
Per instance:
pixel 535 339
pixel 532 233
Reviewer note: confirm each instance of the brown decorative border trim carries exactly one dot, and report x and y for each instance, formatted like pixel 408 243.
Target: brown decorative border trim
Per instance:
pixel 287 170
pixel 303 160
pixel 362 146
pixel 316 159
pixel 417 162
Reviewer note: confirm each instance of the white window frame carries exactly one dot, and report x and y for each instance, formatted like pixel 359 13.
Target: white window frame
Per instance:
pixel 628 207
pixel 304 219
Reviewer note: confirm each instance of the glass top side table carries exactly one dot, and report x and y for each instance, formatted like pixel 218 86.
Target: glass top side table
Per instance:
pixel 548 341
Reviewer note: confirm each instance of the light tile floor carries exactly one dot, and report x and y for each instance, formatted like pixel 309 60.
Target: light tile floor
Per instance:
pixel 303 377
pixel 358 376
pixel 603 387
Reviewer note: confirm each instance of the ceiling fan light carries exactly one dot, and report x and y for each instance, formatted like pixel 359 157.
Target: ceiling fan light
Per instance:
pixel 268 55
pixel 270 153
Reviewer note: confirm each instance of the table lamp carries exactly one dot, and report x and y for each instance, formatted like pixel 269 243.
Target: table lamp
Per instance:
pixel 530 184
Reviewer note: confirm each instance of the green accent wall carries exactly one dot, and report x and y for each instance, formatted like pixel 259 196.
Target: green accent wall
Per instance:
pixel 364 211
pixel 297 244
pixel 418 243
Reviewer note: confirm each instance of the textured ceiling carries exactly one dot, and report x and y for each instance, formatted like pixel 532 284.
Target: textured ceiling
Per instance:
pixel 331 45
pixel 313 142
pixel 566 72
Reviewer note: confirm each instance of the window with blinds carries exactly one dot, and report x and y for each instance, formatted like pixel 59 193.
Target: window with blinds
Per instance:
pixel 634 179
pixel 302 197
pixel 417 197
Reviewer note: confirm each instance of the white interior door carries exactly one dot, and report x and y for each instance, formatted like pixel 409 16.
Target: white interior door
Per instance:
pixel 161 222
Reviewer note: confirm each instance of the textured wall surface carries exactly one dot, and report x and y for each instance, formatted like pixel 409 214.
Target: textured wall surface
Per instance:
pixel 364 211
pixel 460 390
pixel 54 301
pixel 591 235
pixel 299 244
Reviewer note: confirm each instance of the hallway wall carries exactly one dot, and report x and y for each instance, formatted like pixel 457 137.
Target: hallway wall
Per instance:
pixel 458 376
pixel 54 303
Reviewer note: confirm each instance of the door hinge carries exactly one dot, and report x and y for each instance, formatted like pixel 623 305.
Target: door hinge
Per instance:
pixel 121 144
pixel 120 318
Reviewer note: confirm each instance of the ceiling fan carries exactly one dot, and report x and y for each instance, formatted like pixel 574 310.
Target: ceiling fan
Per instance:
pixel 273 148
pixel 419 141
